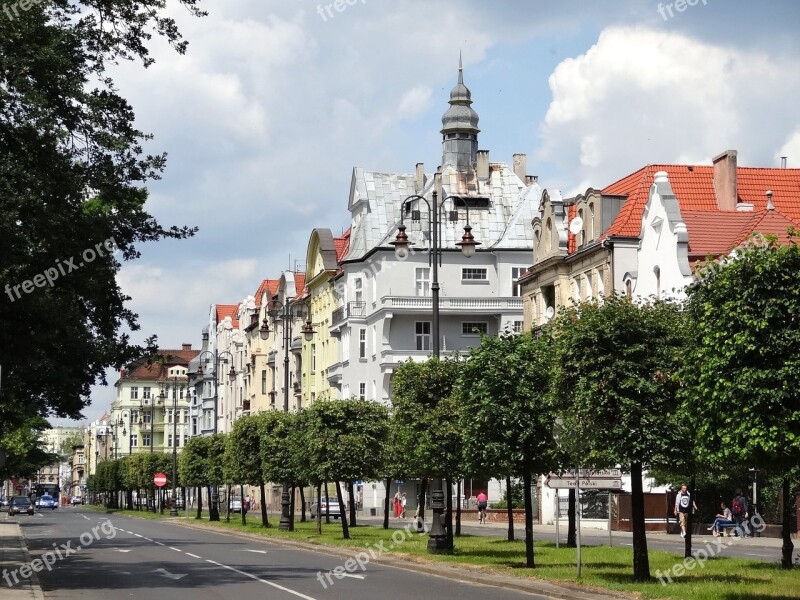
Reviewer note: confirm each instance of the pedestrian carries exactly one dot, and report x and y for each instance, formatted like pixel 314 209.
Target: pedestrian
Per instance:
pixel 741 512
pixel 483 502
pixel 683 504
pixel 403 505
pixel 397 504
pixel 723 518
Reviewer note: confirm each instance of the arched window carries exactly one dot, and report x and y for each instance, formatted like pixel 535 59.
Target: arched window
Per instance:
pixel 580 237
pixel 549 233
pixel 590 224
pixel 657 271
pixel 628 288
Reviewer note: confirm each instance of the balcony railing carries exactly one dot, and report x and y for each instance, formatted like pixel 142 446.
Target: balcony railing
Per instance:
pixel 425 303
pixel 351 309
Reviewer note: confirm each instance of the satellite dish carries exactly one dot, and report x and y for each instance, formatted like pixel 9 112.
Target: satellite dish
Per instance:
pixel 575 226
pixel 549 313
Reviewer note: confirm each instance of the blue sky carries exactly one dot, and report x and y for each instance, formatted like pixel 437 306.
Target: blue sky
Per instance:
pixel 273 106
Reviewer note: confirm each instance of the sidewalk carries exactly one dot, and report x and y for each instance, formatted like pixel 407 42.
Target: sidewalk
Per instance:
pixel 14 556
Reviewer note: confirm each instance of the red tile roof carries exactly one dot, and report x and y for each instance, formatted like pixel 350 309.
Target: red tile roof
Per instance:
pixel 268 286
pixel 342 245
pixel 718 232
pixel 228 310
pixel 572 243
pixel 694 188
pixel 300 284
pixel 151 368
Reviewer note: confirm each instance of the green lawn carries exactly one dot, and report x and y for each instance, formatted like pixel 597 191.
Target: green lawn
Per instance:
pixel 603 567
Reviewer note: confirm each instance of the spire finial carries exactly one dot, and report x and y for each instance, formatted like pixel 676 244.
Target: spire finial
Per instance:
pixel 460 69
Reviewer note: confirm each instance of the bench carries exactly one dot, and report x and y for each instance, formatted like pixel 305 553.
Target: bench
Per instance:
pixel 726 527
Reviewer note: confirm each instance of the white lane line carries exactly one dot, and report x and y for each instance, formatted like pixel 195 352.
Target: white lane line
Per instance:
pixel 159 543
pixel 85 517
pixel 176 549
pixel 253 551
pixel 251 576
pixel 194 555
pixel 137 535
pixel 354 576
pixel 148 539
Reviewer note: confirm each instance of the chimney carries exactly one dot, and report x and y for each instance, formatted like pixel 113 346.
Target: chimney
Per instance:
pixel 725 188
pixel 419 182
pixel 187 347
pixel 520 166
pixel 783 162
pixel 483 164
pixel 770 205
pixel 531 179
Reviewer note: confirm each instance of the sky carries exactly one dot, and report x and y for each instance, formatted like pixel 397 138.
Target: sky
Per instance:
pixel 276 101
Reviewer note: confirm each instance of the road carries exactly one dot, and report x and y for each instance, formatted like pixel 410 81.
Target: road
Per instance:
pixel 155 559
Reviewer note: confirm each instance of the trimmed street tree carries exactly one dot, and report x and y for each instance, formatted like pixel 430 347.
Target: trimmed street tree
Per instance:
pixel 743 367
pixel 506 416
pixel 192 467
pixel 243 457
pixel 615 385
pixel 277 452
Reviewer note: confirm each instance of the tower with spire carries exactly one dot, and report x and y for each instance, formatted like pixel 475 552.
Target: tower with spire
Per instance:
pixel 460 128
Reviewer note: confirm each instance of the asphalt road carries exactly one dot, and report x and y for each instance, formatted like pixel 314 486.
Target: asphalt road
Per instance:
pixel 155 560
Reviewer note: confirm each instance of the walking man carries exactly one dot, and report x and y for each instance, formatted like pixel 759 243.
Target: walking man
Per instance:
pixel 683 504
pixel 740 512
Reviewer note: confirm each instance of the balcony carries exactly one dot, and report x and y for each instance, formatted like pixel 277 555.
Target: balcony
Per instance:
pixel 351 310
pixel 335 374
pixel 392 358
pixel 424 304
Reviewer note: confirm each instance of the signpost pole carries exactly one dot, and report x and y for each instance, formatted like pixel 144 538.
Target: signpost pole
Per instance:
pixel 558 514
pixel 578 516
pixel 609 520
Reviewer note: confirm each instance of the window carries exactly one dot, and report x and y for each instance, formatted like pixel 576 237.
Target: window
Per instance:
pixel 134 440
pixel 264 381
pixel 169 417
pixel 374 340
pixel 474 328
pixel 345 346
pixel 580 238
pixel 578 289
pixel 516 273
pixel 629 288
pixel 362 391
pixel 423 281
pixel 134 416
pixel 146 440
pixel 313 358
pixel 473 274
pixel 423 335
pixel 146 392
pixel 194 425
pixel 147 417
pixel 358 287
pixel 134 393
pixel 346 391
pixel 657 272
pixel 362 343
pixel 169 441
pixel 590 224
pixel 185 439
pixel 185 416
pixel 518 325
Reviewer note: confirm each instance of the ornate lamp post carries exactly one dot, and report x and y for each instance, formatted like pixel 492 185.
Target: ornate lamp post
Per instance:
pixel 217 358
pixel 439 540
pixel 287 312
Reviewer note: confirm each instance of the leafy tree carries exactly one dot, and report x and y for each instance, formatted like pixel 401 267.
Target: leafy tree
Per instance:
pixel 73 172
pixel 506 414
pixel 745 362
pixel 615 386
pixel 280 461
pixel 192 467
pixel 243 457
pixel 25 453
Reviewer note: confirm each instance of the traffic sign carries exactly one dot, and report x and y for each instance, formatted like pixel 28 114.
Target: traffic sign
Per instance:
pixel 160 479
pixel 588 484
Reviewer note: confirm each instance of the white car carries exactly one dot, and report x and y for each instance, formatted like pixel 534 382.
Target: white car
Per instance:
pixel 332 506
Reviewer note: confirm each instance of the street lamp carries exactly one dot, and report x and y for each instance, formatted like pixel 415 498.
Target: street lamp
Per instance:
pixel 173 509
pixel 287 312
pixel 439 540
pixel 217 357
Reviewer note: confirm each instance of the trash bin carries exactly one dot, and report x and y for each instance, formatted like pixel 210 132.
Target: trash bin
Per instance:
pixel 373 512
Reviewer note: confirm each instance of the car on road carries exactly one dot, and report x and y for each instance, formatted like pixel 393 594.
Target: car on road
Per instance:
pixel 3 503
pixel 236 504
pixel 47 501
pixel 19 505
pixel 333 507
pixel 76 500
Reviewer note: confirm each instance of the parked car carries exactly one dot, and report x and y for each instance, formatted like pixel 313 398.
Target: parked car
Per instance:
pixel 19 505
pixel 236 504
pixel 3 503
pixel 47 501
pixel 334 508
pixel 76 500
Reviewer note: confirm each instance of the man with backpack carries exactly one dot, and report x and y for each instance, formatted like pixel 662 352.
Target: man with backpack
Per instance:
pixel 739 509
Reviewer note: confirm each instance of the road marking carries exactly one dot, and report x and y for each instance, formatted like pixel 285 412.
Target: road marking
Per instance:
pixel 148 539
pixel 275 585
pixel 174 576
pixel 121 549
pixel 354 576
pixel 85 517
pixel 176 549
pixel 254 551
pixel 159 543
pixel 194 555
pixel 137 535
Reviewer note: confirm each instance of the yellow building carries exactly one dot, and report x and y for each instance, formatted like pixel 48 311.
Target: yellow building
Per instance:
pixel 322 351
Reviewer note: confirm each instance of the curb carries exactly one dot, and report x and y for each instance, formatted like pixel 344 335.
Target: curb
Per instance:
pixel 34 583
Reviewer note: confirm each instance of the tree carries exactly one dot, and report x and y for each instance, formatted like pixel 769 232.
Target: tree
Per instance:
pixel 192 467
pixel 73 172
pixel 279 461
pixel 25 453
pixel 427 423
pixel 243 457
pixel 346 440
pixel 615 386
pixel 745 362
pixel 506 414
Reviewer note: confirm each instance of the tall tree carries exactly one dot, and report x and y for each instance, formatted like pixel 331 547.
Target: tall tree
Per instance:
pixel 743 383
pixel 243 456
pixel 73 172
pixel 615 385
pixel 506 415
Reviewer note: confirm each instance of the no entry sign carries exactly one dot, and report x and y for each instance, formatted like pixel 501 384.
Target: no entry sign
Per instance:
pixel 160 479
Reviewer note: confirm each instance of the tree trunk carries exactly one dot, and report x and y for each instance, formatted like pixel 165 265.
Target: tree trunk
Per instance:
pixel 422 491
pixel 241 496
pixel 510 509
pixel 687 541
pixel 571 519
pixel 343 517
pixel 386 502
pixel 319 513
pixel 458 508
pixel 129 499
pixel 264 516
pixel 448 515
pixel 526 481
pixel 351 495
pixel 199 503
pixel 641 562
pixel 302 504
pixel 786 531
pixel 228 503
pixel 293 489
pixel 327 506
pixel 213 510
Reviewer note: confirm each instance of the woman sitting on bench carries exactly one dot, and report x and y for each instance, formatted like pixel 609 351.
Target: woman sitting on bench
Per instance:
pixel 723 520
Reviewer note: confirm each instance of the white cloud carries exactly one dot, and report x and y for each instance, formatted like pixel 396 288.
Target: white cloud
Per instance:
pixel 791 150
pixel 415 102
